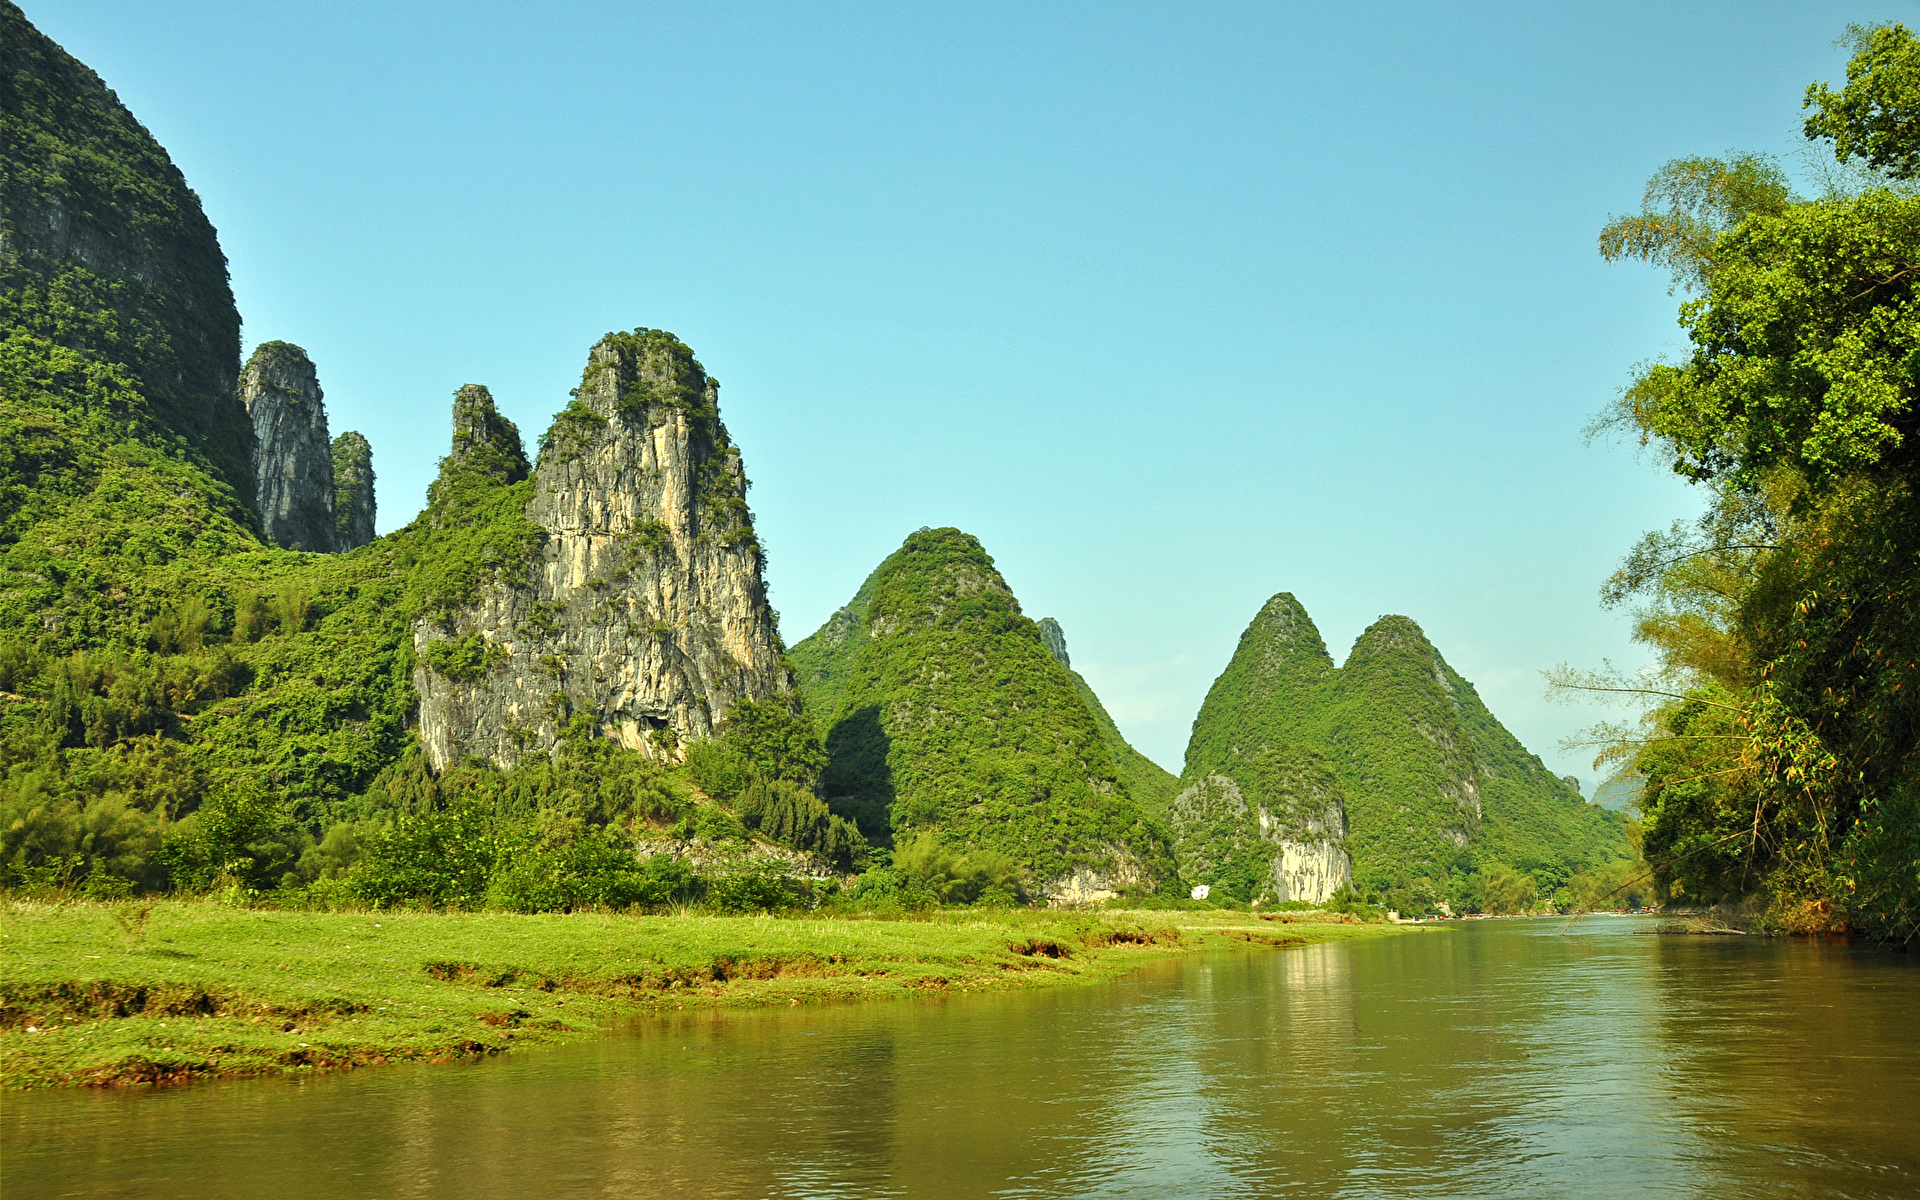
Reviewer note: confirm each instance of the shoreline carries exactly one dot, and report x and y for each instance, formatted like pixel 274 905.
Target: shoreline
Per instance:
pixel 136 994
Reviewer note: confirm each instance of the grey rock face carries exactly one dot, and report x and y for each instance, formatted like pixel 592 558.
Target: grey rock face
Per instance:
pixel 293 460
pixel 644 609
pixel 352 492
pixel 1088 885
pixel 1295 838
pixel 1055 638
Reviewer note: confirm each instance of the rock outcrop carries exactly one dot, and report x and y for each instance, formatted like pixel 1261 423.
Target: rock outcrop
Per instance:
pixel 1055 640
pixel 352 492
pixel 1288 845
pixel 643 609
pixel 485 440
pixel 293 457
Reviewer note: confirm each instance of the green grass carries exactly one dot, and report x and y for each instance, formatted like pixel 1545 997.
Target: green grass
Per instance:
pixel 92 994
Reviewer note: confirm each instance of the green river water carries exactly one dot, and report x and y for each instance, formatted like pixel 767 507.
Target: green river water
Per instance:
pixel 1498 1058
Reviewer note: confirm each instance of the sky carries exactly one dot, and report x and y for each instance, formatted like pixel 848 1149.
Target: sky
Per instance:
pixel 1173 306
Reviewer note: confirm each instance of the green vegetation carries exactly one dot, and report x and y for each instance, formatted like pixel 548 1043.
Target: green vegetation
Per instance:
pixel 143 991
pixel 1781 746
pixel 946 713
pixel 767 762
pixel 185 708
pixel 1439 796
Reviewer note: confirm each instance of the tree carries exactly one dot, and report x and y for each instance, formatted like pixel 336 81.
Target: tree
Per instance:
pixel 1783 757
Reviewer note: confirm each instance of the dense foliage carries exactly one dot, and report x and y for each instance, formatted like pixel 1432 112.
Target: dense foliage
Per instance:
pixel 1782 755
pixel 1439 796
pixel 947 714
pixel 767 763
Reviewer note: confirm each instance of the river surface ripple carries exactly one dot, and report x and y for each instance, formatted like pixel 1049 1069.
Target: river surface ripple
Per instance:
pixel 1492 1059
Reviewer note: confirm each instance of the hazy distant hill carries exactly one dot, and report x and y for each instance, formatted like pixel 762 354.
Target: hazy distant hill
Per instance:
pixel 1619 792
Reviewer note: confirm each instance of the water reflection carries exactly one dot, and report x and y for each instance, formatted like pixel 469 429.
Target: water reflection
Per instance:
pixel 1501 1059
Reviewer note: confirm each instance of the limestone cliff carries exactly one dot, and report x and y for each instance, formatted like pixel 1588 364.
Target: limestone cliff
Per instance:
pixel 293 458
pixel 352 492
pixel 643 608
pixel 1288 844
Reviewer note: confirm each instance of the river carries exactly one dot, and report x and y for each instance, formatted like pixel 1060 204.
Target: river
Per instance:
pixel 1498 1058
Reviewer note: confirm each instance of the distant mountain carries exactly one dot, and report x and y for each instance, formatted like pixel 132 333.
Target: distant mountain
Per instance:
pixel 1434 787
pixel 946 712
pixel 1620 791
pixel 1151 784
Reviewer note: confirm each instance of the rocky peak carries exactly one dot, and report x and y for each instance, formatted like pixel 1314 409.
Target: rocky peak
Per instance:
pixel 948 669
pixel 483 439
pixel 1394 654
pixel 352 492
pixel 1055 639
pixel 1287 637
pixel 940 579
pixel 1390 637
pixel 643 608
pixel 1426 770
pixel 293 458
pixel 1259 700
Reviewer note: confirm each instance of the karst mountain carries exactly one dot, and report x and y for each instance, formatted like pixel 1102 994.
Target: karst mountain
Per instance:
pixel 1393 745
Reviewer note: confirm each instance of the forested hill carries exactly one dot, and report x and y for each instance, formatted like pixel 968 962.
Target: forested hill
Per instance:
pixel 1439 794
pixel 946 713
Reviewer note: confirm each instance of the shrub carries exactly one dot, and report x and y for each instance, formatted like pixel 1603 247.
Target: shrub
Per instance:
pixel 764 887
pixel 443 857
pixel 884 889
pixel 954 877
pixel 241 833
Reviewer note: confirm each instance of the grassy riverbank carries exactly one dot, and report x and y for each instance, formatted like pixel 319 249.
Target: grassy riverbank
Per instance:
pixel 103 994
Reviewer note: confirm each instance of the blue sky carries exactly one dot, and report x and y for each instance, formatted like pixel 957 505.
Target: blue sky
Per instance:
pixel 1174 306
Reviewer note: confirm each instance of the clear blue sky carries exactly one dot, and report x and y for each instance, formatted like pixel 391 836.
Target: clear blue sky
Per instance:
pixel 1174 306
